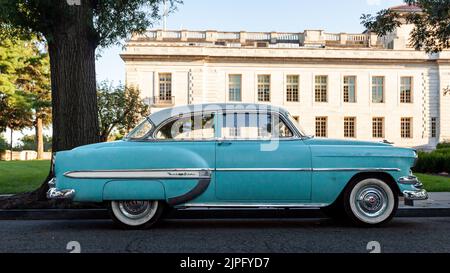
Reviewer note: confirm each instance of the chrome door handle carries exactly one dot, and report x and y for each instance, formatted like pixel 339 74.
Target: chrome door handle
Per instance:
pixel 224 143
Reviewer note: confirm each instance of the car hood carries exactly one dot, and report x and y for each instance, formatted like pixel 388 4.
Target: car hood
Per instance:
pixel 339 142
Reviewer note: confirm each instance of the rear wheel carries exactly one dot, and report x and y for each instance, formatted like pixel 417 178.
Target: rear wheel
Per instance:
pixel 135 214
pixel 370 202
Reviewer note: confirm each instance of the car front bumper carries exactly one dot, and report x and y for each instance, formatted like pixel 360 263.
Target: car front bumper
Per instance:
pixel 415 191
pixel 53 193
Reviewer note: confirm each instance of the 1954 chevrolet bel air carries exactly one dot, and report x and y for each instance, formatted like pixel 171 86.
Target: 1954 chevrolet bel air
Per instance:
pixel 235 156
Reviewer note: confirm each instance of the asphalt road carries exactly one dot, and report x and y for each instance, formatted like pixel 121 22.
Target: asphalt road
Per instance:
pixel 423 235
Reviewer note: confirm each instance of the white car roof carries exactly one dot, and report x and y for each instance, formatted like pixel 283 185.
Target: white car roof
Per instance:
pixel 164 114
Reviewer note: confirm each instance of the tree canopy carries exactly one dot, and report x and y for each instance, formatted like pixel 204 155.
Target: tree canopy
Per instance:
pixel 119 109
pixel 431 25
pixel 113 20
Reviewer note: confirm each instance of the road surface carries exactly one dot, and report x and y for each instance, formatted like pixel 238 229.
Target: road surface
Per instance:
pixel 423 235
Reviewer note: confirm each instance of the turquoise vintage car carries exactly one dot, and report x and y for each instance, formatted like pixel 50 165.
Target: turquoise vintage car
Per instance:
pixel 235 156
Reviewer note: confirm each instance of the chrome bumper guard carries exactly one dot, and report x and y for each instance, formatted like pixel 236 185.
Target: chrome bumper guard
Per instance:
pixel 53 193
pixel 411 195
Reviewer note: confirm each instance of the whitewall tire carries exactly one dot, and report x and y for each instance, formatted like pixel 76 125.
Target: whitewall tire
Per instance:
pixel 135 214
pixel 370 202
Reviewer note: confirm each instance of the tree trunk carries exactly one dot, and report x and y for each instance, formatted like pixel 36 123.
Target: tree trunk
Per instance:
pixel 72 63
pixel 11 146
pixel 71 47
pixel 39 139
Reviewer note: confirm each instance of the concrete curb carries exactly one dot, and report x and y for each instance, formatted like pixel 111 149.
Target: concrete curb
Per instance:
pixel 91 214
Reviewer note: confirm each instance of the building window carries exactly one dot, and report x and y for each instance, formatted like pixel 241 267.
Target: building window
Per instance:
pixel 321 126
pixel 378 89
pixel 321 88
pixel 378 127
pixel 165 87
pixel 406 127
pixel 406 89
pixel 234 87
pixel 254 126
pixel 263 87
pixel 292 86
pixel 350 89
pixel 350 127
pixel 434 127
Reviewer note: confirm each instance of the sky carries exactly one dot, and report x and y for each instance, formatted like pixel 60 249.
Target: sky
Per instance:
pixel 254 15
pixel 249 15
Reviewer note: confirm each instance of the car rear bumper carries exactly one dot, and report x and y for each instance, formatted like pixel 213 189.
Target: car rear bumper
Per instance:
pixel 53 193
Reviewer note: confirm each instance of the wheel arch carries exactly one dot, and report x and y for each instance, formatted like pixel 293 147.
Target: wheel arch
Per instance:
pixel 384 176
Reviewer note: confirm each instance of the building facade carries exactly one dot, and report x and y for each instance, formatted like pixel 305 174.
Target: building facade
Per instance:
pixel 347 86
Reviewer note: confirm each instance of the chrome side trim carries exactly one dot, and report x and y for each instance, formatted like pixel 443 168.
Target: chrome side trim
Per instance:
pixel 254 205
pixel 198 173
pixel 263 169
pixel 307 169
pixel 356 169
pixel 142 174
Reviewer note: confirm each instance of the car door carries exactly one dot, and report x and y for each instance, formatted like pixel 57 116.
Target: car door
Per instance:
pixel 260 159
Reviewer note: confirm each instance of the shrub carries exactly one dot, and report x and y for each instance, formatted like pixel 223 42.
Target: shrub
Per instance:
pixel 434 162
pixel 443 145
pixel 3 144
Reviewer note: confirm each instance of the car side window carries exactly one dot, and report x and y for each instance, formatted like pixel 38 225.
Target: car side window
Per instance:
pixel 188 127
pixel 254 126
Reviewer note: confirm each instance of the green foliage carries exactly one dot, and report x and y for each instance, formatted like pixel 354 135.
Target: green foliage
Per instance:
pixel 24 84
pixel 437 161
pixel 113 21
pixel 15 111
pixel 443 145
pixel 3 144
pixel 431 31
pixel 29 143
pixel 119 109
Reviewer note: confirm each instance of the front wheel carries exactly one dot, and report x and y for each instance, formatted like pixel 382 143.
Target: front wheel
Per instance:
pixel 370 202
pixel 135 214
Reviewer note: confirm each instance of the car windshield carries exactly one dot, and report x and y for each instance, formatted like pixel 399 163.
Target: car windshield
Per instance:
pixel 141 130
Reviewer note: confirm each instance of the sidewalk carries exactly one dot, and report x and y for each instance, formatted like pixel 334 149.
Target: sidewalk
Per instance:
pixel 435 200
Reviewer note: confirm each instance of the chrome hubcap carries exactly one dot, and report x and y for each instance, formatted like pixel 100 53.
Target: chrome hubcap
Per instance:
pixel 135 209
pixel 371 201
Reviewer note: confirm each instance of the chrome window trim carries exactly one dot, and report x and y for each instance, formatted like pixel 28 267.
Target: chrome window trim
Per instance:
pixel 296 134
pixel 152 135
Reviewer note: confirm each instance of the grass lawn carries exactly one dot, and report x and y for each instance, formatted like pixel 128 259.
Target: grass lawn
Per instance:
pixel 433 183
pixel 22 176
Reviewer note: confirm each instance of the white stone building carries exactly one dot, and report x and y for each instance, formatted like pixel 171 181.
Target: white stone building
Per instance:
pixel 347 86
